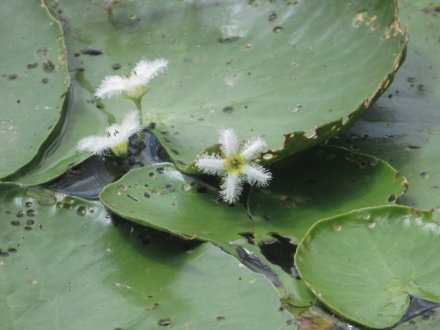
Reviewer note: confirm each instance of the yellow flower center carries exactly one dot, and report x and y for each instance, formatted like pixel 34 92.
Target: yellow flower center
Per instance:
pixel 235 163
pixel 121 149
pixel 138 91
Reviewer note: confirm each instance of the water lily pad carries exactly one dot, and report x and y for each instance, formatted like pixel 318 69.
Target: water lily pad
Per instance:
pixel 404 125
pixel 188 207
pixel 64 264
pixel 261 67
pixel 160 197
pixel 33 81
pixel 323 183
pixel 366 263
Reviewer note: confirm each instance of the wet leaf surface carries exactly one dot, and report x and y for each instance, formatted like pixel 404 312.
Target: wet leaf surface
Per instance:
pixel 160 197
pixel 33 81
pixel 366 263
pixel 404 125
pixel 260 67
pixel 65 264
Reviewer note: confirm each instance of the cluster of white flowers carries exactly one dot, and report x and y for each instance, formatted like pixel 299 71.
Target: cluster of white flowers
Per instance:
pixel 133 87
pixel 235 166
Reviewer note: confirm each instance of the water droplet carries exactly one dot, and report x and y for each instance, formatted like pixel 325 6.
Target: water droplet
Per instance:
pixel 28 204
pixel 146 195
pixel 81 211
pixel 391 198
pixel 30 222
pixel 164 322
pixel 272 16
pixel 337 226
pixel 28 228
pixel 185 187
pixel 31 213
pixel 267 156
pixel 371 224
pixel 48 66
pixel 366 216
pixel 278 29
pixel 15 223
pixel 12 250
pixel 20 214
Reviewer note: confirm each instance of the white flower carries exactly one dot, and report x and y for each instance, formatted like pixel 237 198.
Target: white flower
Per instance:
pixel 235 166
pixel 115 138
pixel 134 85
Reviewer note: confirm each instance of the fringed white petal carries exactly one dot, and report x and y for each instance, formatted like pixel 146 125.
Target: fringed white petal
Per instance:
pixel 231 188
pixel 115 134
pixel 257 175
pixel 253 147
pixel 228 141
pixel 94 144
pixel 111 86
pixel 210 164
pixel 141 75
pixel 130 124
pixel 145 71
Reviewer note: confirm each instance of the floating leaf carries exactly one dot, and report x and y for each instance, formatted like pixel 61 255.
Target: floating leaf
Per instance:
pixel 323 183
pixel 188 207
pixel 261 67
pixel 366 263
pixel 33 81
pixel 160 197
pixel 404 125
pixel 63 264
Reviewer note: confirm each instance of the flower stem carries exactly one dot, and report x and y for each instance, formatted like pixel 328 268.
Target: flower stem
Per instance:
pixel 138 103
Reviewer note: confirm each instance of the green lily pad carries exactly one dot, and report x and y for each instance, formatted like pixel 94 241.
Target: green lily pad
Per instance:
pixel 404 125
pixel 366 263
pixel 233 63
pixel 160 197
pixel 322 183
pixel 63 264
pixel 33 81
pixel 188 207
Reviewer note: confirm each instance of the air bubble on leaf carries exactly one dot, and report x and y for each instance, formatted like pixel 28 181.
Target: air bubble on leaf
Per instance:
pixel 391 198
pixel 185 187
pixel 272 16
pixel 164 322
pixel 31 213
pixel 278 29
pixel 371 224
pixel 15 223
pixel 336 227
pixel 81 211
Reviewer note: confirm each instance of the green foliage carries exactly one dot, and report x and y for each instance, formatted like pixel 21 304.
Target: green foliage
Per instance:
pixel 186 206
pixel 158 196
pixel 231 65
pixel 33 83
pixel 379 255
pixel 404 125
pixel 64 264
